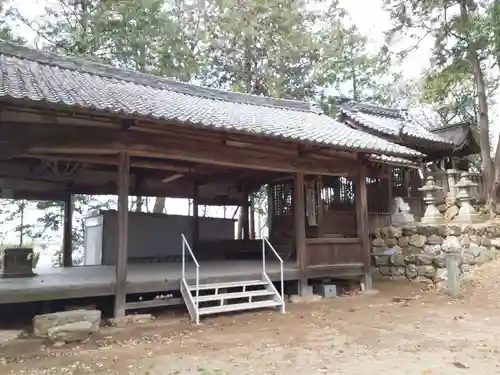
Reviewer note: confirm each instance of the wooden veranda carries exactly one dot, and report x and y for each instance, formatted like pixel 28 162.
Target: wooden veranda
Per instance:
pixel 102 130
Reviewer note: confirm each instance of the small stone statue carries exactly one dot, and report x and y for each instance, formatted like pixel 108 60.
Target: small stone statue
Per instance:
pixel 401 212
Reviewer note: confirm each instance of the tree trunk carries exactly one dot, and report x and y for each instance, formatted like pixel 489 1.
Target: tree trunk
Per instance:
pixel 21 229
pixel 484 122
pixel 138 204
pixel 484 127
pixel 496 29
pixel 159 206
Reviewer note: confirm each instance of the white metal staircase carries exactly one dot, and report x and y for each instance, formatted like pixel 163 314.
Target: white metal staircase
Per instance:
pixel 216 298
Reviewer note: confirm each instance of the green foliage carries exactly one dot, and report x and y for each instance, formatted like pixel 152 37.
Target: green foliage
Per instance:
pixel 452 93
pixel 53 215
pixel 449 84
pixel 14 213
pixel 462 77
pixel 282 48
pixel 348 59
pixel 262 47
pixel 5 29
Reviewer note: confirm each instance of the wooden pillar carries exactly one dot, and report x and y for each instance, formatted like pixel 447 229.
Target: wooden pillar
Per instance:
pixel 300 229
pixel 196 216
pixel 251 215
pixel 245 221
pixel 67 256
pixel 321 207
pixel 390 195
pixel 270 211
pixel 406 183
pixel 363 222
pixel 122 256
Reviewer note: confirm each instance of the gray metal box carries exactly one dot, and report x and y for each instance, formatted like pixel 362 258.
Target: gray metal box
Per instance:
pixel 326 290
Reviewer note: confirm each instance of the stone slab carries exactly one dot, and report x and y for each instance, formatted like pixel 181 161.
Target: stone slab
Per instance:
pixel 71 332
pixel 43 323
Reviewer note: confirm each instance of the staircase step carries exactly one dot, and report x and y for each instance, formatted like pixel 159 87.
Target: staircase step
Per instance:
pixel 238 307
pixel 234 284
pixel 226 296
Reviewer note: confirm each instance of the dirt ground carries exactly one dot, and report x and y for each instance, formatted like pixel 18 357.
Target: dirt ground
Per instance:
pixel 428 334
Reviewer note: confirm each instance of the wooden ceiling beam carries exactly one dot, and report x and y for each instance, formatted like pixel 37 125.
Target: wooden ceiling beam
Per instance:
pixel 111 160
pixel 106 142
pixel 84 118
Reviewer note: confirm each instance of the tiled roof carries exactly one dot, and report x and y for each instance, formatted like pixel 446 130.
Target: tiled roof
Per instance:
pixel 384 159
pixel 463 137
pixel 43 77
pixel 388 121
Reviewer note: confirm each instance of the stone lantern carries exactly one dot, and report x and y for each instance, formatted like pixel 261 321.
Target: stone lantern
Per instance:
pixel 452 175
pixel 467 213
pixel 432 214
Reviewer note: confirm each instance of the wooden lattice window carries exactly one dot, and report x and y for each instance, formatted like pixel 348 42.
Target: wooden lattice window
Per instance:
pixel 377 191
pixel 337 193
pixel 398 183
pixel 415 182
pixel 282 198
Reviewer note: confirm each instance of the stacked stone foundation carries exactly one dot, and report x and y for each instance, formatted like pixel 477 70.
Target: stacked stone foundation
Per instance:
pixel 419 251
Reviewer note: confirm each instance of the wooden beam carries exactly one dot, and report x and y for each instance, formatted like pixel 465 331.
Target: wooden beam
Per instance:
pixel 362 220
pixel 46 115
pixel 26 184
pixel 122 256
pixel 299 213
pixel 85 141
pixel 171 178
pixel 68 231
pixel 214 156
pixel 111 160
pixel 33 195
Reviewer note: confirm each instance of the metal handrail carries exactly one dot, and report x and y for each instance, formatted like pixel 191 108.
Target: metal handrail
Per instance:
pixel 264 242
pixel 185 244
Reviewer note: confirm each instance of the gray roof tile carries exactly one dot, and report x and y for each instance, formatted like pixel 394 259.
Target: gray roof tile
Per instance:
pixel 389 121
pixel 384 159
pixel 30 74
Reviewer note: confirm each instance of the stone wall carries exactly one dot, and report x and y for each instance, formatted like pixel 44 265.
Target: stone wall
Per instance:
pixel 419 251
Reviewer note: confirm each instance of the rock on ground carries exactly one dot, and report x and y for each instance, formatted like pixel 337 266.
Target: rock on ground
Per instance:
pixel 131 319
pixel 43 323
pixel 71 332
pixel 305 299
